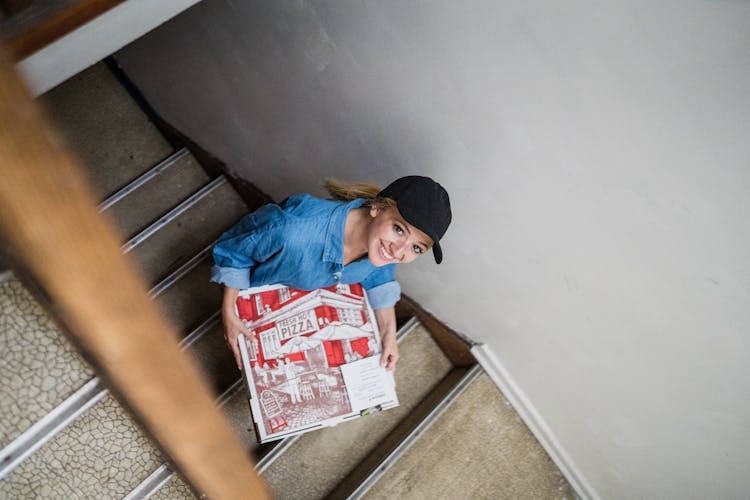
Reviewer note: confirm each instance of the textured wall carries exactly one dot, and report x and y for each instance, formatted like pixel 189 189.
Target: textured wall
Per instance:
pixel 596 154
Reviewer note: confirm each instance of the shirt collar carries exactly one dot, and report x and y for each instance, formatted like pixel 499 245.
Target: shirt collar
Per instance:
pixel 334 246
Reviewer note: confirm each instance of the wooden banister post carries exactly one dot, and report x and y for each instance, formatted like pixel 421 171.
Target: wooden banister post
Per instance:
pixel 48 215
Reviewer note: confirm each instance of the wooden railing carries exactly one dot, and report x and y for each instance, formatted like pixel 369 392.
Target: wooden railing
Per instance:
pixel 49 221
pixel 57 24
pixel 11 7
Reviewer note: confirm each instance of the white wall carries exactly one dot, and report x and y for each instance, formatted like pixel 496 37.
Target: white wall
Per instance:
pixel 597 156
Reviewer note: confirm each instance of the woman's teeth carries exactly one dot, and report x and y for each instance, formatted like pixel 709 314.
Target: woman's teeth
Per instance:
pixel 384 253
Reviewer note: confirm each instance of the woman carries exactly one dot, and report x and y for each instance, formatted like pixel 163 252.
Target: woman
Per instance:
pixel 358 237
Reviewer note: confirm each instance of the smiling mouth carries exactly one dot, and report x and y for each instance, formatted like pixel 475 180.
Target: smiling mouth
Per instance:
pixel 384 253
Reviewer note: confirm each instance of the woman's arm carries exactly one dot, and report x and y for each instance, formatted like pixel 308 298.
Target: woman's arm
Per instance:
pixel 233 325
pixel 386 319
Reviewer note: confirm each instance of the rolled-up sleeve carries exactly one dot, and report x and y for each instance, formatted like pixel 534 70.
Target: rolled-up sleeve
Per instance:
pixel 385 295
pixel 231 277
pixel 383 291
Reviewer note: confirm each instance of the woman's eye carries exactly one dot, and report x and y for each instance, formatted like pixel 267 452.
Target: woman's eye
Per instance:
pixel 398 229
pixel 417 250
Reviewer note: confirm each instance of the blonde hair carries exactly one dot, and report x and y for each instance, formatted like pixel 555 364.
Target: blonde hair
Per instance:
pixel 348 191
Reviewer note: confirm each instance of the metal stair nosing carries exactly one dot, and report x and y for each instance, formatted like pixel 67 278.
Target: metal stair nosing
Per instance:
pixel 136 240
pixel 91 392
pixel 163 474
pixel 144 178
pixel 393 447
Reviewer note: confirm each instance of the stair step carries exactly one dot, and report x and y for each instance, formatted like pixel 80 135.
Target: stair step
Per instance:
pixel 205 344
pixel 39 368
pixel 393 446
pixel 186 230
pixel 103 454
pixel 320 460
pixel 105 127
pixel 174 489
pixel 191 298
pixel 43 372
pixel 214 358
pixel 163 483
pixel 237 410
pixel 156 192
pixel 479 448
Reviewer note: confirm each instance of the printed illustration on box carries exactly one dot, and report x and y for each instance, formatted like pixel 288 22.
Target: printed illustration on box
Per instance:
pixel 299 341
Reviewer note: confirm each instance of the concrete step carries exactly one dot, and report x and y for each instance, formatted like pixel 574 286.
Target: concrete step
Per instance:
pixel 174 489
pixel 478 448
pixel 163 483
pixel 42 372
pixel 191 299
pixel 103 454
pixel 370 470
pixel 105 128
pixel 39 368
pixel 318 461
pixel 143 201
pixel 205 344
pixel 237 410
pixel 189 228
pixel 214 358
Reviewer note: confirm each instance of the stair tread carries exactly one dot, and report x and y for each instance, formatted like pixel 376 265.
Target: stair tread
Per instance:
pixel 105 128
pixel 103 454
pixel 174 489
pixel 237 410
pixel 192 299
pixel 189 233
pixel 479 448
pixel 319 460
pixel 215 360
pixel 40 368
pixel 160 194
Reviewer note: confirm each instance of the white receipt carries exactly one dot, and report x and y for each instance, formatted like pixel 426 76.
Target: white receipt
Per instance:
pixel 368 384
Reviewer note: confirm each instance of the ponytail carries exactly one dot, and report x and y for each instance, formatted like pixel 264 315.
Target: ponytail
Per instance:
pixel 345 191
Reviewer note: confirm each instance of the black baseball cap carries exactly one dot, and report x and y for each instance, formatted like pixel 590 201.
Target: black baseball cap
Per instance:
pixel 424 204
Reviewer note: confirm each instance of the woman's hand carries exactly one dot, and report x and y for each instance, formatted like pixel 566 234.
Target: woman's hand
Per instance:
pixel 387 324
pixel 233 325
pixel 390 352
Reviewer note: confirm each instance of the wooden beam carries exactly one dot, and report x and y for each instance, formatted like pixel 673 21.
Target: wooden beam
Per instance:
pixel 48 216
pixel 57 26
pixel 12 7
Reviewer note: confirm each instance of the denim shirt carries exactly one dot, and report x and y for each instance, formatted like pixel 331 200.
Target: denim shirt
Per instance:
pixel 299 243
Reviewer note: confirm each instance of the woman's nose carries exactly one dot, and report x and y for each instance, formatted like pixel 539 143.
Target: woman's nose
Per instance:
pixel 399 248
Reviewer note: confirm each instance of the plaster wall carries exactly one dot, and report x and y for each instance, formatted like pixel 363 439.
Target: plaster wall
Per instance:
pixel 597 158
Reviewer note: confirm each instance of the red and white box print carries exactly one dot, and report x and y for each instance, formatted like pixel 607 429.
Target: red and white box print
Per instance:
pixel 292 362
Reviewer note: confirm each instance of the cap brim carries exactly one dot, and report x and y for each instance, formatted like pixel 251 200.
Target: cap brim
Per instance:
pixel 437 252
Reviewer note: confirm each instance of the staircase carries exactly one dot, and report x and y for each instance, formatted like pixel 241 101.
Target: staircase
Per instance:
pixel 64 436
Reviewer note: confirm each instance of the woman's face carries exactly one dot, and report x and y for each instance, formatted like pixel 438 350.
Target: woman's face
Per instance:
pixel 392 240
